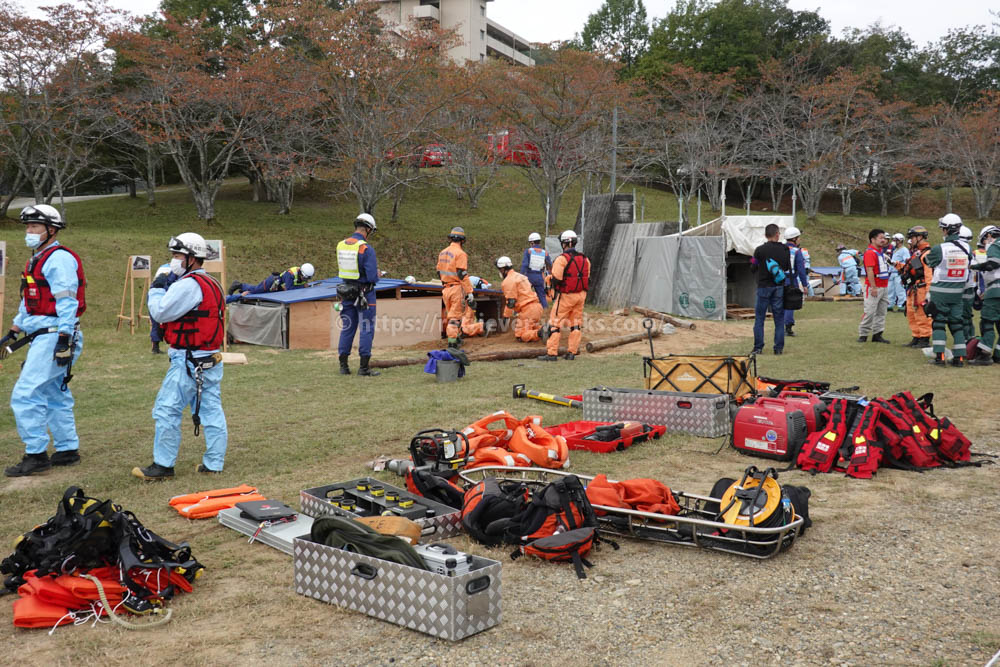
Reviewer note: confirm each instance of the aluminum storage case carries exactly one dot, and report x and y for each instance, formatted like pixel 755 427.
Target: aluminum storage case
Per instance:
pixel 706 415
pixel 438 521
pixel 277 535
pixel 449 607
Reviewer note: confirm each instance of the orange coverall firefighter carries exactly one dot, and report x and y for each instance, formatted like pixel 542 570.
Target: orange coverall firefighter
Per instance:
pixel 520 298
pixel 453 269
pixel 570 278
pixel 919 321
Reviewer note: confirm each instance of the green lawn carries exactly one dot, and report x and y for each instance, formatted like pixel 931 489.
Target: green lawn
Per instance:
pixel 295 423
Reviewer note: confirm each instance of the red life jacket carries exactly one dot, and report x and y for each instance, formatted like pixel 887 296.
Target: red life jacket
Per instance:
pixel 575 278
pixel 916 448
pixel 821 449
pixel 35 288
pixel 867 454
pixel 201 327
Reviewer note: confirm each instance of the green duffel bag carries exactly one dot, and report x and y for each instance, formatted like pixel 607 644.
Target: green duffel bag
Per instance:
pixel 353 536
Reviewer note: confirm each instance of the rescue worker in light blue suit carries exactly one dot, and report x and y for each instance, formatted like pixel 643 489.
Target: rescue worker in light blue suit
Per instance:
pixel 191 313
pixel 900 256
pixel 536 265
pixel 358 268
pixel 799 275
pixel 850 284
pixel 52 301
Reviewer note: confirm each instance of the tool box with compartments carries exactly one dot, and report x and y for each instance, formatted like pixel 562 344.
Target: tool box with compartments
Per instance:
pixel 706 415
pixel 371 497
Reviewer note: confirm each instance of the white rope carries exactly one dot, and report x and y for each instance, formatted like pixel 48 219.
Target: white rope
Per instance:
pixel 125 624
pixel 994 661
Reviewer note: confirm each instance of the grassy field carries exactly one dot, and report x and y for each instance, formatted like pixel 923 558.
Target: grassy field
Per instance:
pixel 295 423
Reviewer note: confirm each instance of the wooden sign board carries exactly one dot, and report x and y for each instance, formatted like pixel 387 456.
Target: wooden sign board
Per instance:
pixel 215 262
pixel 137 269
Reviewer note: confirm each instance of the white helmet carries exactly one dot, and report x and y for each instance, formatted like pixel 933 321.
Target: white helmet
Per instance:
pixel 898 237
pixel 965 233
pixel 569 236
pixel 792 233
pixel 988 230
pixel 307 270
pixel 42 214
pixel 189 243
pixel 504 262
pixel 949 220
pixel 409 280
pixel 367 220
pixel 534 236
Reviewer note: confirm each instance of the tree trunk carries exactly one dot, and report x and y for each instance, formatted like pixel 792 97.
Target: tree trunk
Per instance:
pixel 810 202
pixel 131 188
pixel 284 191
pixel 845 200
pixel 947 198
pixel 883 197
pixel 14 189
pixel 554 201
pixel 776 196
pixel 396 200
pixel 204 201
pixel 986 197
pixel 151 164
pixel 907 199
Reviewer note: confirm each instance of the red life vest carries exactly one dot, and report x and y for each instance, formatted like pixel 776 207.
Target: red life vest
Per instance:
pixel 201 327
pixel 575 277
pixel 35 288
pixel 867 454
pixel 821 449
pixel 917 449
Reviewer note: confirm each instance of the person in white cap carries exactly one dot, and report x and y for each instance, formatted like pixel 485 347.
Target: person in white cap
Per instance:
pixel 536 265
pixel 800 277
pixel 899 257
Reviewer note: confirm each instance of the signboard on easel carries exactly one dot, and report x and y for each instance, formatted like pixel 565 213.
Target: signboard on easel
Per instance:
pixel 138 269
pixel 215 262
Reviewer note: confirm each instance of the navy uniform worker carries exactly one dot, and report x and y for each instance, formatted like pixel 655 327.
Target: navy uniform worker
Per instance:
pixel 358 268
pixel 799 275
pixel 295 277
pixel 191 313
pixel 52 300
pixel 772 262
pixel 155 329
pixel 536 265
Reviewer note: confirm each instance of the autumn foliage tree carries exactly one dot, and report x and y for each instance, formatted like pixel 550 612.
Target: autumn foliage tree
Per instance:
pixel 564 108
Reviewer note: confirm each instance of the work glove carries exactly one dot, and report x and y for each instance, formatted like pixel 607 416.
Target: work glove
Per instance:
pixel 160 281
pixel 511 303
pixel 9 338
pixel 471 300
pixel 361 302
pixel 63 353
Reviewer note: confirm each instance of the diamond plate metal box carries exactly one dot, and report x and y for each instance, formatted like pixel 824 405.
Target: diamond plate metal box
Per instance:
pixel 451 608
pixel 446 521
pixel 706 415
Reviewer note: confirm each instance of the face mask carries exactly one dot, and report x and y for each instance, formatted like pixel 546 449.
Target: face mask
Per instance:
pixel 177 267
pixel 32 240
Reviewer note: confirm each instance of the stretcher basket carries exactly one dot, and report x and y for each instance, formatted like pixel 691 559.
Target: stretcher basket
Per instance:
pixel 694 526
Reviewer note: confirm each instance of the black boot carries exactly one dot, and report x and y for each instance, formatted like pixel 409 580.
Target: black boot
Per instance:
pixel 344 369
pixel 31 464
pixel 914 342
pixel 788 330
pixel 235 287
pixel 877 338
pixel 66 458
pixel 958 362
pixel 924 342
pixel 156 347
pixel 364 370
pixel 862 339
pixel 153 472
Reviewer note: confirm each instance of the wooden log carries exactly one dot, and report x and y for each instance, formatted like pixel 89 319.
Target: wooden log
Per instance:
pixel 655 314
pixel 598 345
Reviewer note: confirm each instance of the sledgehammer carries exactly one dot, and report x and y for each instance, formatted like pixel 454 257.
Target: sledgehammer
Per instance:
pixel 521 392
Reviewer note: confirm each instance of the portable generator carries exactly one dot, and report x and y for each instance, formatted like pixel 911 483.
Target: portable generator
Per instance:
pixel 813 407
pixel 771 428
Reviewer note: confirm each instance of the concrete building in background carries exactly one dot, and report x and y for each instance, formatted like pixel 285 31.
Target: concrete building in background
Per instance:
pixel 481 37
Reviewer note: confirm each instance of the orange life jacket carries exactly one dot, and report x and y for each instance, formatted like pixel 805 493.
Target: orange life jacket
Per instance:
pixel 576 273
pixel 538 445
pixel 206 504
pixel 201 327
pixel 35 288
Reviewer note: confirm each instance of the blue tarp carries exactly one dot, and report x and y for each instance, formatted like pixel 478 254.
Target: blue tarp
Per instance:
pixel 327 289
pixel 826 270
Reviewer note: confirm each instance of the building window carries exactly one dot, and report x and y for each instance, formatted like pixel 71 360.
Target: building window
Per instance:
pixel 482 35
pixel 482 57
pixel 482 10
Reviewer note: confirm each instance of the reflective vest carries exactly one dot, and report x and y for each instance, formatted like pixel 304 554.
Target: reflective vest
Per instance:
pixel 915 269
pixel 954 266
pixel 805 257
pixel 348 263
pixel 575 278
pixel 992 278
pixel 35 290
pixel 278 285
pixel 201 327
pixel 883 266
pixel 536 259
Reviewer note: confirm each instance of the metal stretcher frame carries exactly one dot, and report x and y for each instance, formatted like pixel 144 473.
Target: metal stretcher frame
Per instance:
pixel 739 370
pixel 693 527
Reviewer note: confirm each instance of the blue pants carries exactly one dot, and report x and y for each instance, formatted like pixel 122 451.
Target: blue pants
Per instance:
pixel 772 298
pixel 39 405
pixel 789 318
pixel 851 284
pixel 177 392
pixel 155 331
pixel 897 295
pixel 538 282
pixel 349 321
pixel 263 287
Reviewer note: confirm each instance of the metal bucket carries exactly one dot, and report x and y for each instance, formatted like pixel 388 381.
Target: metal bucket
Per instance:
pixel 447 371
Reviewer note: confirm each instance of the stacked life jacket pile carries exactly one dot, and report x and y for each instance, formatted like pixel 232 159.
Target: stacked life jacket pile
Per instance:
pixel 207 504
pixel 500 439
pixel 137 569
pixel 897 432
